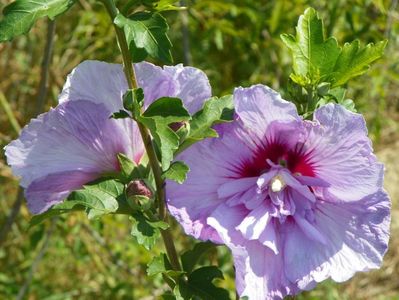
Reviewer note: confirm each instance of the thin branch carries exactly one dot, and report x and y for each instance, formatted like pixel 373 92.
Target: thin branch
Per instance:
pixel 48 51
pixel 36 261
pixel 185 35
pixel 391 12
pixel 13 215
pixel 10 115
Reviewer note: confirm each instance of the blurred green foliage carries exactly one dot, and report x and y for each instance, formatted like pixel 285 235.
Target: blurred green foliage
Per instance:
pixel 236 42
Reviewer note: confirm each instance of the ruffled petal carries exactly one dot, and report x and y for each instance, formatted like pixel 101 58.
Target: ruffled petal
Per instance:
pixel 224 220
pixel 356 237
pixel 341 154
pixel 75 136
pixel 187 83
pixel 259 105
pixel 260 273
pixel 102 82
pixel 98 82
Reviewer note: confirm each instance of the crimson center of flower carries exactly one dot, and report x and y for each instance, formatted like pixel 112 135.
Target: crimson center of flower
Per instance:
pixel 278 178
pixel 294 159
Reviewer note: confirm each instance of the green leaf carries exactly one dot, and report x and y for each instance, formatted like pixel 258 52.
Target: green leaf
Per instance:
pixel 146 35
pixel 190 258
pixel 100 197
pixel 215 110
pixel 160 264
pixel 168 109
pixel 97 198
pixel 355 61
pixel 56 210
pixel 177 172
pixel 157 118
pixel 200 283
pixel 146 231
pixel 19 16
pixel 121 114
pixel 314 56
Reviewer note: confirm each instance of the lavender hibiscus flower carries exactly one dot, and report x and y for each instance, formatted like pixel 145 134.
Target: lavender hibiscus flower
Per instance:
pixel 77 141
pixel 296 201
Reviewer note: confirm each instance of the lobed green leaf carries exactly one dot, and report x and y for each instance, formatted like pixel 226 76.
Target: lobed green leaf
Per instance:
pixel 314 56
pixel 97 198
pixel 215 110
pixel 191 257
pixel 317 59
pixel 19 16
pixel 177 171
pixel 200 284
pixel 157 118
pixel 354 61
pixel 146 34
pixel 146 231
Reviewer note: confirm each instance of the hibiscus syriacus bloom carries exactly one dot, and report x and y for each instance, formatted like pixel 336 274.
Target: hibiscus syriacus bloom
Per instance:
pixel 77 142
pixel 296 201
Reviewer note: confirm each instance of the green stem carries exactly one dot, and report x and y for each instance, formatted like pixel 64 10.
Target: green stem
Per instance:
pixel 148 144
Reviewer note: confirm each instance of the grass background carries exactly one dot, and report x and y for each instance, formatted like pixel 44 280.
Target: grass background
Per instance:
pixel 236 43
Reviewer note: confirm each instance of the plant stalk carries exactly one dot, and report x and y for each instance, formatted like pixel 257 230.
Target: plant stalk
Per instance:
pixel 148 144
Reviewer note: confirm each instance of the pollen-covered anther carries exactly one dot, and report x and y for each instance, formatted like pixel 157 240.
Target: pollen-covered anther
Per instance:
pixel 277 184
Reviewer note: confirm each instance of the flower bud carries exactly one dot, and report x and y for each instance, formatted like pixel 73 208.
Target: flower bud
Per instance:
pixel 138 187
pixel 182 129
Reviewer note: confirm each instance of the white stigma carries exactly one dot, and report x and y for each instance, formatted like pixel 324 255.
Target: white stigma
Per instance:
pixel 277 184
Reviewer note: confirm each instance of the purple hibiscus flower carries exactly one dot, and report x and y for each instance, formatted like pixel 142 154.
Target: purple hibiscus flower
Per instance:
pixel 77 142
pixel 296 201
